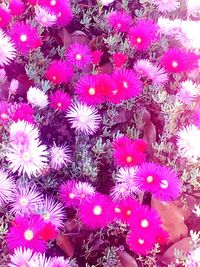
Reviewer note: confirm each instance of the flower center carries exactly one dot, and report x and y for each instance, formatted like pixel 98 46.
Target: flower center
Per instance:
pixel 138 40
pixel 28 235
pixel 117 210
pixel 141 241
pixel 53 2
pixel 91 91
pixel 54 78
pixel 83 195
pixel 59 105
pixel 125 84
pixel 149 179
pixel 129 159
pixel 119 25
pixel 23 201
pixel 46 216
pixel 78 57
pixel 114 92
pixel 164 184
pixel 44 19
pixel 122 189
pixel 71 195
pixel 174 64
pixel 128 212
pixel 26 156
pixel 82 118
pixel 144 223
pixel 23 37
pixel 97 210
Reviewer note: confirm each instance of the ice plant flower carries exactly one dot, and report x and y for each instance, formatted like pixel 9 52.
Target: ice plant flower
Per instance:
pixel 97 211
pixel 143 34
pixel 126 176
pixel 125 209
pixel 105 2
pixel 52 211
pixel 23 133
pixel 119 59
pixel 23 112
pixel 79 55
pixel 60 100
pixel 5 17
pixel 24 37
pixel 48 232
pixel 7 49
pixel 119 21
pixel 87 90
pixel 40 260
pixel 67 195
pixel 59 262
pixel 25 199
pixel 59 156
pixel 44 17
pixel 96 56
pixel 59 72
pixel 21 257
pixel 27 160
pixel 177 60
pixel 120 191
pixel 126 152
pixel 25 233
pixel 16 7
pixel 188 142
pixel 161 181
pixel 188 92
pixel 7 187
pixel 37 97
pixel 5 112
pixel 83 190
pixel 166 6
pixel 83 118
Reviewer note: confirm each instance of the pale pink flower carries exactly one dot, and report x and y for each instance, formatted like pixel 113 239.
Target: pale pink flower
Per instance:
pixel 105 2
pixel 188 92
pixel 7 187
pixel 59 156
pixel 166 5
pixel 44 17
pixel 39 260
pixel 84 118
pixel 13 86
pixel 189 142
pixel 59 262
pixel 21 257
pixel 7 49
pixel 37 97
pixel 120 191
pixel 193 6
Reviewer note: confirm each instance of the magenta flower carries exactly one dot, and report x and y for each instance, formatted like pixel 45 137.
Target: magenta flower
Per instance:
pixel 60 100
pixel 59 72
pixel 143 34
pixel 87 90
pixel 67 195
pixel 5 17
pixel 119 59
pixel 16 7
pixel 126 153
pixel 120 21
pixel 23 112
pixel 83 191
pixel 161 181
pixel 127 85
pixel 79 55
pixel 178 60
pixel 97 211
pixel 5 112
pixel 24 37
pixel 125 209
pixel 25 233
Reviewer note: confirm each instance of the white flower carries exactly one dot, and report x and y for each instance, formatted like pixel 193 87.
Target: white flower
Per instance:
pixel 84 118
pixel 37 97
pixel 169 27
pixel 39 260
pixel 120 191
pixel 188 92
pixel 7 49
pixel 59 156
pixel 106 2
pixel 59 262
pixel 193 6
pixel 166 5
pixel 30 160
pixel 13 86
pixel 189 36
pixel 7 187
pixel 44 17
pixel 189 142
pixel 21 257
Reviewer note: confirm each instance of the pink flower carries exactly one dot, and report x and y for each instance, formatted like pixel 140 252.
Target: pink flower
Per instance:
pixel 59 262
pixel 7 187
pixel 25 37
pixel 120 21
pixel 104 86
pixel 5 17
pixel 25 233
pixel 178 60
pixel 59 156
pixel 188 92
pixel 97 211
pixel 59 72
pixel 96 56
pixel 126 153
pixel 44 17
pixel 60 100
pixel 5 113
pixel 7 49
pixel 16 7
pixel 49 232
pixel 161 181
pixel 127 85
pixel 23 112
pixel 83 191
pixel 166 6
pixel 88 91
pixel 21 257
pixel 120 191
pixel 79 55
pixel 67 195
pixel 125 209
pixel 143 34
pixel 83 118
pixel 119 59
